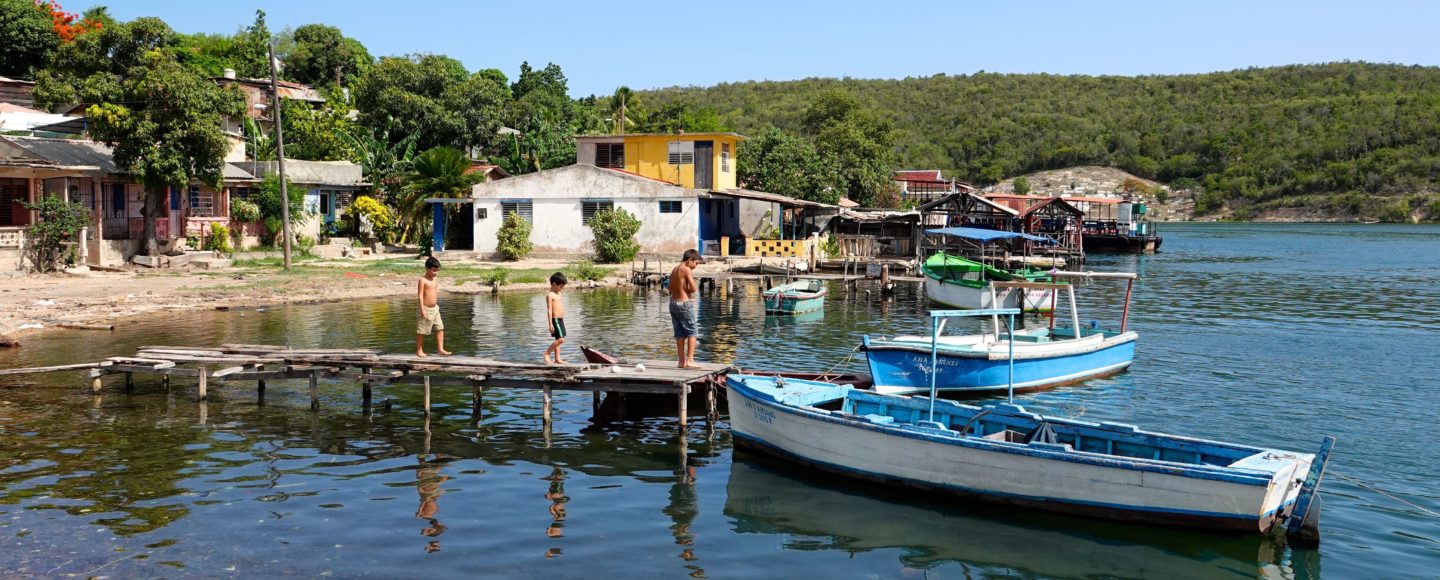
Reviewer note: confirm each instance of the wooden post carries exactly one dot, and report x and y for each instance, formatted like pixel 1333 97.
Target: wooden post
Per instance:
pixel 545 393
pixel 204 412
pixel 684 401
pixel 129 382
pixel 365 391
pixel 712 410
pixel 314 390
pixel 426 402
pixel 885 278
pixel 477 396
pixel 594 404
pixel 260 392
pixel 202 379
pixel 165 380
pixel 95 384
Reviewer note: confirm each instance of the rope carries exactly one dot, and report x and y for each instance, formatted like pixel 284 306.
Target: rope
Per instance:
pixel 843 361
pixel 1386 494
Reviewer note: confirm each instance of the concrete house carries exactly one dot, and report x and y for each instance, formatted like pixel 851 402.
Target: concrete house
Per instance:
pixel 84 171
pixel 329 187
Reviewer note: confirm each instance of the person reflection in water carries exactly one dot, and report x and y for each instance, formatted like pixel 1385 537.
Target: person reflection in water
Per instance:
pixel 429 479
pixel 557 497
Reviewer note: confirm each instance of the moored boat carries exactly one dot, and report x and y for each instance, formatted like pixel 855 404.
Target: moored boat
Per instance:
pixel 857 380
pixel 1002 453
pixel 960 282
pixel 796 297
pixel 978 363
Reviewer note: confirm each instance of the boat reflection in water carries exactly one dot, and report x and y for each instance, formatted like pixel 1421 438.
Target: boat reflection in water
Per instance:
pixel 768 497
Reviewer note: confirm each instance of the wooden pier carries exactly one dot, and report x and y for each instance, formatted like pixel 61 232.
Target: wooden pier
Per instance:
pixel 237 363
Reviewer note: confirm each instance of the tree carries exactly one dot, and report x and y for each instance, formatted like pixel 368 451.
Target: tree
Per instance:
pixel 854 138
pixel 318 133
pixel 614 231
pixel 322 56
pixel 1022 186
pixel 92 67
pixel 29 37
pixel 621 103
pixel 164 123
pixel 539 146
pixel 382 157
pixel 428 96
pixel 778 162
pixel 442 172
pixel 267 200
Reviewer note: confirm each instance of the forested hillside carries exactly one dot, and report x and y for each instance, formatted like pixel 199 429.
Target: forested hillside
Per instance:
pixel 1344 138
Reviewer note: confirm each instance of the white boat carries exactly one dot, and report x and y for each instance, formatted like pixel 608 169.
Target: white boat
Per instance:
pixel 1003 453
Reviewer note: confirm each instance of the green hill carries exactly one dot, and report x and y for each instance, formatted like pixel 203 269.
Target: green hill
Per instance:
pixel 1339 139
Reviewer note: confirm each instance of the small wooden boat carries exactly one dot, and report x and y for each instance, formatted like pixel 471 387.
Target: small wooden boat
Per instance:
pixel 979 363
pixel 796 297
pixel 1003 453
pixel 857 380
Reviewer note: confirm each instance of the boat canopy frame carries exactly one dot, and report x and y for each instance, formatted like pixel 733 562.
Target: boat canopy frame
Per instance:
pixel 937 321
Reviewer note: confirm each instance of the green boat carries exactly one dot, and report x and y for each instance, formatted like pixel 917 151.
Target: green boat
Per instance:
pixel 960 282
pixel 796 297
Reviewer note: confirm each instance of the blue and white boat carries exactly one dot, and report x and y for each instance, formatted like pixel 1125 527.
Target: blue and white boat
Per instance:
pixel 1003 453
pixel 797 297
pixel 979 363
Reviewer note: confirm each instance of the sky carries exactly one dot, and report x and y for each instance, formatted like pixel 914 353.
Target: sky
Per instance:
pixel 650 44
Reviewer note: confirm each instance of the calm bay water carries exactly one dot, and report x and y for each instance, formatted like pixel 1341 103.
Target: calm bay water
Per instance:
pixel 1263 334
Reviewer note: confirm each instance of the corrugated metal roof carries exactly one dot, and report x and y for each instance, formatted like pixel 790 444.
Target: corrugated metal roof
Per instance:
pixel 783 200
pixel 69 152
pixel 342 173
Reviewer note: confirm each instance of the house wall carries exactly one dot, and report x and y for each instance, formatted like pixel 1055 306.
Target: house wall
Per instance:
pixel 649 155
pixel 557 195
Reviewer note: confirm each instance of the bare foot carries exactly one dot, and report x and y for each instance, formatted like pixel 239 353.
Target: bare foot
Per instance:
pixel 560 362
pixel 547 359
pixel 420 353
pixel 444 352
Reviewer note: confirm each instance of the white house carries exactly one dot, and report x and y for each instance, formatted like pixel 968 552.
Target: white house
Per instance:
pixel 560 202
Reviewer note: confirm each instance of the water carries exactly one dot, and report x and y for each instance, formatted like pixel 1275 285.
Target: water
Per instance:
pixel 1261 334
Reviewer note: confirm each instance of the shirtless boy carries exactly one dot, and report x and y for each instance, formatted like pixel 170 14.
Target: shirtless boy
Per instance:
pixel 429 319
pixel 555 317
pixel 684 310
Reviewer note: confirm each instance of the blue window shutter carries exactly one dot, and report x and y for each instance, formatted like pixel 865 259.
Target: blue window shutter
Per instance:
pixel 174 200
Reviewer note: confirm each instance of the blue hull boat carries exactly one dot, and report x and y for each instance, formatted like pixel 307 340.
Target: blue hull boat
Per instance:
pixel 982 363
pixel 796 297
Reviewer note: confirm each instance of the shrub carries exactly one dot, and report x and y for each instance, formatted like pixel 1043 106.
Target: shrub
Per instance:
pixel 267 200
pixel 1022 186
pixel 514 237
pixel 244 211
pixel 219 239
pixel 615 231
pixel 46 240
pixel 305 245
pixel 831 246
pixel 496 278
pixel 192 242
pixel 586 270
pixel 380 217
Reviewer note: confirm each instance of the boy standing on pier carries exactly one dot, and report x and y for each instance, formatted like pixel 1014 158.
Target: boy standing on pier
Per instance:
pixel 429 319
pixel 684 311
pixel 555 317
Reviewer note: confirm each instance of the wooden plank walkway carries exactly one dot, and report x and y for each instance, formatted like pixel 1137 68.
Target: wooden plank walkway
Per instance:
pixel 230 363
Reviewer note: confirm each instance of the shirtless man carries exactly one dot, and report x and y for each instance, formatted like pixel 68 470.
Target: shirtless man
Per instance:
pixel 429 319
pixel 684 310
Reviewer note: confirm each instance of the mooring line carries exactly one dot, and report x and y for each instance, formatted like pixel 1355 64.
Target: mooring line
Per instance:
pixel 845 360
pixel 1386 494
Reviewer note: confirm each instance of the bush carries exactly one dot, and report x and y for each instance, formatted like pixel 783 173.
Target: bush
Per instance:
pixel 244 211
pixel 219 239
pixel 305 245
pixel 514 237
pixel 615 231
pixel 1022 186
pixel 586 270
pixel 267 200
pixel 831 246
pixel 496 278
pixel 192 242
pixel 380 217
pixel 46 241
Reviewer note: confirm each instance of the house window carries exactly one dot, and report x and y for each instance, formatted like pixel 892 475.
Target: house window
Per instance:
pixel 12 193
pixel 610 155
pixel 117 200
pixel 682 152
pixel 590 207
pixel 524 207
pixel 725 157
pixel 667 206
pixel 241 192
pixel 325 197
pixel 202 202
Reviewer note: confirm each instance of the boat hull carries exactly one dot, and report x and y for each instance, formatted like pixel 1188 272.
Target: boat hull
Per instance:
pixel 1026 475
pixel 1123 244
pixel 900 368
pixel 795 298
pixel 974 298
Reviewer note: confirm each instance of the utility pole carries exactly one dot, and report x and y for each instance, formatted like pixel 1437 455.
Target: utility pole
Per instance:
pixel 280 151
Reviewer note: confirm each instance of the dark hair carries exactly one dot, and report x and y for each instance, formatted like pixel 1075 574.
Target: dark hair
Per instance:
pixel 690 255
pixel 558 279
pixel 431 262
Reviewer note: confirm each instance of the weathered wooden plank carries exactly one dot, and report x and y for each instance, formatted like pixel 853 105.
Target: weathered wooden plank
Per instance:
pixel 120 368
pixel 38 370
pixel 150 362
pixel 85 326
pixel 229 371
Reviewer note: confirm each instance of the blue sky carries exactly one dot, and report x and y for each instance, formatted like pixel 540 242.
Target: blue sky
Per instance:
pixel 649 44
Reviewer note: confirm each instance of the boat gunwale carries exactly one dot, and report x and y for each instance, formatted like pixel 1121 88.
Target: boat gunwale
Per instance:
pixel 1082 345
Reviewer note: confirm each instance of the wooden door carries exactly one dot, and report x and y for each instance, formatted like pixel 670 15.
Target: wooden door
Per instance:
pixel 704 164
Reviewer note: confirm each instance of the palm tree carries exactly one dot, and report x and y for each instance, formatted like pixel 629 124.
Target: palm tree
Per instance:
pixel 442 172
pixel 620 104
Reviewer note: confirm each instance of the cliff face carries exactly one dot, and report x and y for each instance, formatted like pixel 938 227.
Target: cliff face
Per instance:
pixel 1097 181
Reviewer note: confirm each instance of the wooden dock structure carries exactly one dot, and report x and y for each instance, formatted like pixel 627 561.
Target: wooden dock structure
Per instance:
pixel 258 363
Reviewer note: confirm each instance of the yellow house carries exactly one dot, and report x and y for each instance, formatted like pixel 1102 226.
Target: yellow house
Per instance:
pixel 703 161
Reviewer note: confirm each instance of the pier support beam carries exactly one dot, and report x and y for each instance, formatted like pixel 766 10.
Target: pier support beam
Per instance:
pixel 426 402
pixel 129 383
pixel 202 378
pixel 594 405
pixel 712 410
pixel 548 399
pixel 477 397
pixel 314 390
pixel 684 405
pixel 365 390
pixel 95 383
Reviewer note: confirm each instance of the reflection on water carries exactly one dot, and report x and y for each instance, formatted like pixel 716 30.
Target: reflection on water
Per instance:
pixel 767 497
pixel 1271 335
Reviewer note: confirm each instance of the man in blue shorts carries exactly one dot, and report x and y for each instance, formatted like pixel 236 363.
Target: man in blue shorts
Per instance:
pixel 684 310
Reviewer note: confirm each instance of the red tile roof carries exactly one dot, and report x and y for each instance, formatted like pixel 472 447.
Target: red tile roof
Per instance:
pixel 919 175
